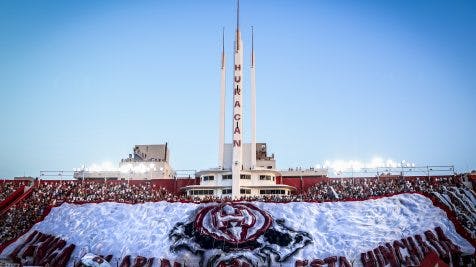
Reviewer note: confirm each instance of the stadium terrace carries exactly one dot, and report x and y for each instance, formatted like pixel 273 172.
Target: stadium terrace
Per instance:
pixel 243 212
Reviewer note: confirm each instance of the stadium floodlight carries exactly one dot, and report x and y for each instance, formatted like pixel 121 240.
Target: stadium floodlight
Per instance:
pixel 126 168
pixel 141 168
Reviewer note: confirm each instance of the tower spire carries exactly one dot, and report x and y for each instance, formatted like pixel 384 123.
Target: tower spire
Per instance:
pixel 238 25
pixel 221 142
pixel 238 15
pixel 252 48
pixel 223 48
pixel 253 103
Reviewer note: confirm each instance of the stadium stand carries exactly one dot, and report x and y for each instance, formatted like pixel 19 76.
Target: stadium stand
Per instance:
pixel 448 192
pixel 7 187
pixel 24 214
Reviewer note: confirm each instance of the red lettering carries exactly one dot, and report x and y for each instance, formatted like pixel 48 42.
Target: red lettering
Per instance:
pixel 42 249
pixel 237 143
pixel 447 241
pixel 237 90
pixel 331 261
pixel 389 255
pixel 317 263
pixel 452 249
pixel 140 261
pixel 237 117
pixel 126 261
pixel 63 257
pixel 431 238
pixel 397 245
pixel 414 249
pixel 237 67
pixel 17 250
pixel 300 263
pixel 411 252
pixel 417 249
pixel 379 257
pixel 368 259
pixel 237 79
pixel 237 104
pixel 425 248
pixel 237 130
pixel 343 262
pixel 166 263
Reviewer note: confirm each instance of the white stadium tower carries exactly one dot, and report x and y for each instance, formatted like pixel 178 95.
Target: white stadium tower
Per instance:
pixel 244 169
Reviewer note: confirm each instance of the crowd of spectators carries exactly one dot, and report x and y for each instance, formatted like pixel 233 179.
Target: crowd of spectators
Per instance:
pixel 24 214
pixel 462 203
pixel 448 190
pixel 364 188
pixel 7 187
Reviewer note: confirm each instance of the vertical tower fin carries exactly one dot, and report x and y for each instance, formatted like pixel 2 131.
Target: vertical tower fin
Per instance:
pixel 238 25
pixel 252 48
pixel 253 102
pixel 223 48
pixel 238 16
pixel 221 142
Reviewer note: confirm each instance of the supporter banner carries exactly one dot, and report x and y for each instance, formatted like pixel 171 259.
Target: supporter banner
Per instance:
pixel 250 233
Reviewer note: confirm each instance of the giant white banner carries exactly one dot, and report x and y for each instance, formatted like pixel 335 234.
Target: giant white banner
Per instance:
pixel 251 233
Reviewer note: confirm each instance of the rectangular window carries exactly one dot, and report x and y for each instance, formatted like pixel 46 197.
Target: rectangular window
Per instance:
pixel 245 191
pixel 245 176
pixel 201 192
pixel 227 176
pixel 226 191
pixel 266 177
pixel 272 192
pixel 208 178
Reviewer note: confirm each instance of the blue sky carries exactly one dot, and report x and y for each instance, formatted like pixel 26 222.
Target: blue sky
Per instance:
pixel 82 82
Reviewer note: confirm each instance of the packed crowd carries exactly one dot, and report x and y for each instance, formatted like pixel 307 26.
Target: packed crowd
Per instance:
pixel 7 187
pixel 342 189
pixel 449 191
pixel 462 202
pixel 24 214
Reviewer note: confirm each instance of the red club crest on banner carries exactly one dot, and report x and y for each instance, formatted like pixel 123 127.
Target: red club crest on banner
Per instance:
pixel 233 222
